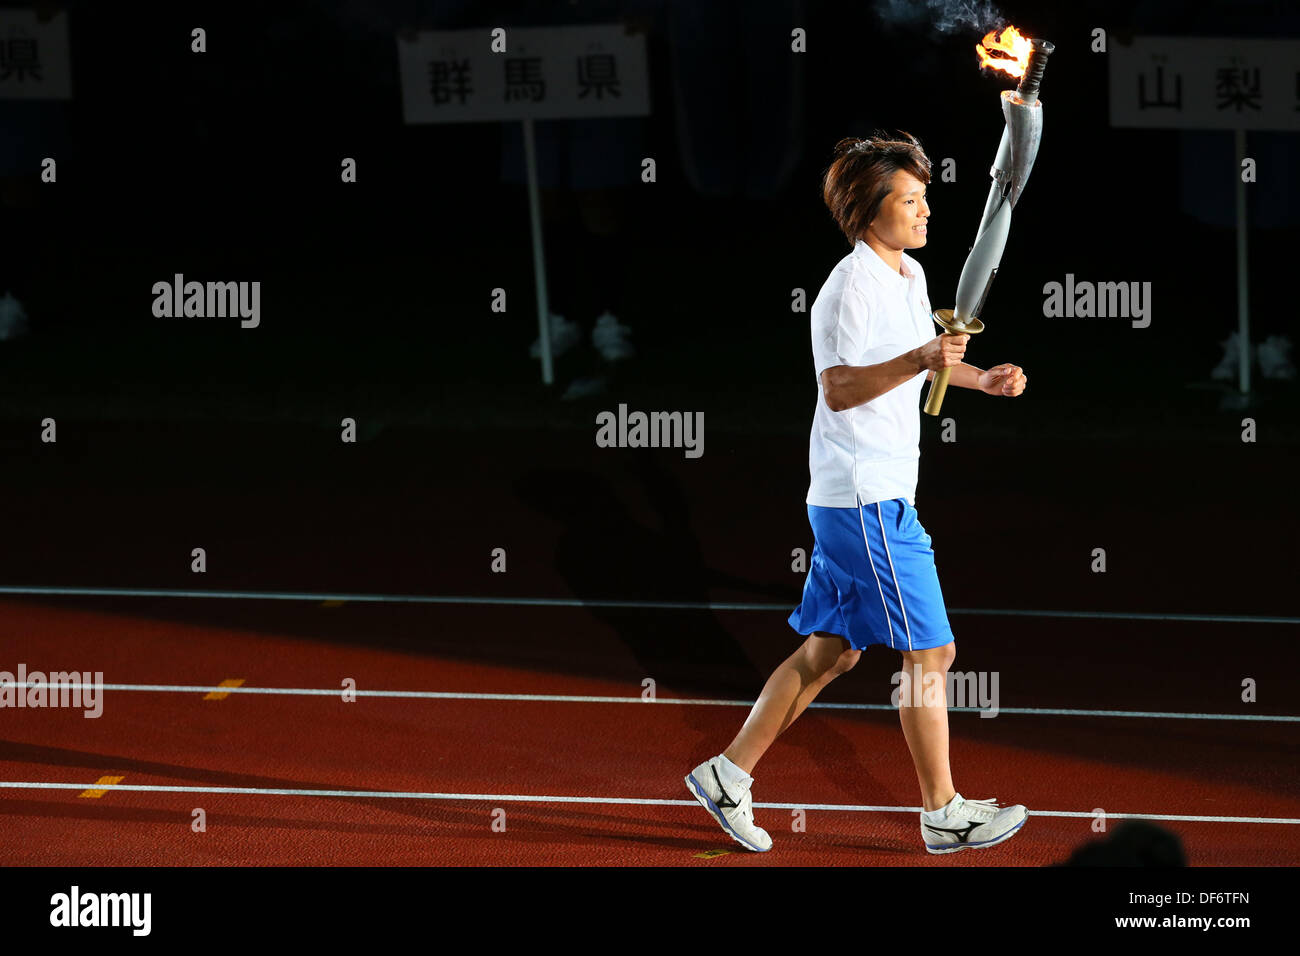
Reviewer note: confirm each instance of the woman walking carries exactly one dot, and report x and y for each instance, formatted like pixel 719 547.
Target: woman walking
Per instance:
pixel 872 578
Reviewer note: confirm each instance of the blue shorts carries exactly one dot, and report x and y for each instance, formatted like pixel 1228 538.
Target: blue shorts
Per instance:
pixel 872 579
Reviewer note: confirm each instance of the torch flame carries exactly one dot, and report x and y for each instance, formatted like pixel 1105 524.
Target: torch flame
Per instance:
pixel 1006 50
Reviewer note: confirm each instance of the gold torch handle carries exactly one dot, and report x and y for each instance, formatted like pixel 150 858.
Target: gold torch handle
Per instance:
pixel 937 387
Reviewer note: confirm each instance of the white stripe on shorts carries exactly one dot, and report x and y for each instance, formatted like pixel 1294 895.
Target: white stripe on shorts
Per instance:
pixel 901 606
pixel 867 544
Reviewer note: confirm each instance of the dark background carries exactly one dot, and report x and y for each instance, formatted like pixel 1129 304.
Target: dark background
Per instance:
pixel 181 433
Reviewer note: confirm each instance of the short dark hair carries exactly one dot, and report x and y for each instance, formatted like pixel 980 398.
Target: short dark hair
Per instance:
pixel 861 176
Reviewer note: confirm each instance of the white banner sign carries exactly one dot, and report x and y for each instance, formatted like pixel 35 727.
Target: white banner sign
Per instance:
pixel 1205 83
pixel 544 73
pixel 34 62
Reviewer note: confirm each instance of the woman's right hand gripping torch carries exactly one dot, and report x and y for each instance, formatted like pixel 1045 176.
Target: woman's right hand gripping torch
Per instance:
pixel 1024 128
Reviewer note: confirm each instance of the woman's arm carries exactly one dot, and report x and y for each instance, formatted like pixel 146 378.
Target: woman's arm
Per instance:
pixel 963 376
pixel 848 386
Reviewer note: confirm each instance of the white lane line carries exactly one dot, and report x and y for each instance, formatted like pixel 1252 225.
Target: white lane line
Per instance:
pixel 578 602
pixel 583 699
pixel 636 801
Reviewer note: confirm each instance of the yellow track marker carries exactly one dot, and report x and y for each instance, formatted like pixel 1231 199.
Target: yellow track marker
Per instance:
pixel 710 854
pixel 96 794
pixel 218 695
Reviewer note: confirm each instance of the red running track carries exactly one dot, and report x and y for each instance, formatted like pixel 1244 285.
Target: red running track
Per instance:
pixel 498 748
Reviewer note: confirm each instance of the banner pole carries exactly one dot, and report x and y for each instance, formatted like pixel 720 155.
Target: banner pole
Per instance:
pixel 539 255
pixel 1243 287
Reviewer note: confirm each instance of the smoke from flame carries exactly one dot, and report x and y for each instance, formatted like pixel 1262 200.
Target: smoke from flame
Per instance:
pixel 1006 50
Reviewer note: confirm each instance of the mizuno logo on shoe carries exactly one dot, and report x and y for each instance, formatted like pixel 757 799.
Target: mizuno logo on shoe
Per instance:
pixel 725 796
pixel 962 835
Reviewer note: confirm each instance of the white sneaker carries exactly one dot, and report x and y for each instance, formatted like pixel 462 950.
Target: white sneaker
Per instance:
pixel 610 338
pixel 1274 355
pixel 728 802
pixel 564 336
pixel 13 317
pixel 971 825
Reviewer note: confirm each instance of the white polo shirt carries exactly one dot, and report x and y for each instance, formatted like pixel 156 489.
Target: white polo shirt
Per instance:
pixel 865 314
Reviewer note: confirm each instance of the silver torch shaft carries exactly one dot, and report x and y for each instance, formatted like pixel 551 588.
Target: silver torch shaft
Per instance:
pixel 1023 129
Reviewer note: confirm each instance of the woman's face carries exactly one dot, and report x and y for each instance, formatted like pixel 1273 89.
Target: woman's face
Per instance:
pixel 900 223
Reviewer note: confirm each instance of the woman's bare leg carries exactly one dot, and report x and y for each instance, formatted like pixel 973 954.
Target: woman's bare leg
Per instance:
pixel 926 726
pixel 790 689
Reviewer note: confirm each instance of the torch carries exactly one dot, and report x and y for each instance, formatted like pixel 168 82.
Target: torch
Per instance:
pixel 1024 128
